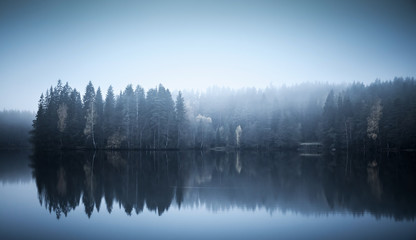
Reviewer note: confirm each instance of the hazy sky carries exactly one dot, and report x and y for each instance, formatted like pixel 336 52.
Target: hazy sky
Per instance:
pixel 196 44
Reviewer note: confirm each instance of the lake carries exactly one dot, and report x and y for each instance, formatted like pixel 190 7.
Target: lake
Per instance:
pixel 205 195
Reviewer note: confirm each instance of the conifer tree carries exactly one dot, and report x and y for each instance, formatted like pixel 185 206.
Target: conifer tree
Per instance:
pixel 181 120
pixel 90 114
pixel 108 115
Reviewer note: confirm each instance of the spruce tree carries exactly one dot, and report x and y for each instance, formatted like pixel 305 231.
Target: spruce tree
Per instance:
pixel 181 121
pixel 99 106
pixel 108 115
pixel 90 115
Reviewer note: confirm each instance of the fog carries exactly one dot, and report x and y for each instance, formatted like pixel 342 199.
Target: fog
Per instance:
pixel 192 119
pixel 357 117
pixel 187 45
pixel 14 129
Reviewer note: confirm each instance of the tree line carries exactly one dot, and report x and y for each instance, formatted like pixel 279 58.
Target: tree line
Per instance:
pixel 377 117
pixel 356 117
pixel 130 120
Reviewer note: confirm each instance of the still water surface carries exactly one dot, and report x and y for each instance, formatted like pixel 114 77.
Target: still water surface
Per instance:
pixel 210 195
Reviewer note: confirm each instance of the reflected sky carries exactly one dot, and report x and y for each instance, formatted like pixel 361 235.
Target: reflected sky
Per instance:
pixel 14 167
pixel 186 223
pixel 196 44
pixel 189 195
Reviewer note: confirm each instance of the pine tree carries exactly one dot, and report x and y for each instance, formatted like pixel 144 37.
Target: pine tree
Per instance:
pixel 329 117
pixel 154 109
pixel 167 116
pixel 109 115
pixel 129 114
pixel 181 120
pixel 141 117
pixel 90 115
pixel 99 106
pixel 39 128
pixel 75 126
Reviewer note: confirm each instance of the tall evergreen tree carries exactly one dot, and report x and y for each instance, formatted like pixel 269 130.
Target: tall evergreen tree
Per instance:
pixel 141 116
pixel 329 117
pixel 75 120
pixel 129 114
pixel 167 117
pixel 99 107
pixel 39 129
pixel 90 115
pixel 109 115
pixel 154 109
pixel 181 121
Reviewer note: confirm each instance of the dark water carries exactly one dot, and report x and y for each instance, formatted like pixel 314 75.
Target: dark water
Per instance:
pixel 211 195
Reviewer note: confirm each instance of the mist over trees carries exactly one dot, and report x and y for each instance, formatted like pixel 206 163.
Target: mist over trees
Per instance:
pixel 14 128
pixel 356 117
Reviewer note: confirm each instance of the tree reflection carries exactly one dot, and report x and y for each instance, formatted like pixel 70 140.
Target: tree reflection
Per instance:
pixel 220 181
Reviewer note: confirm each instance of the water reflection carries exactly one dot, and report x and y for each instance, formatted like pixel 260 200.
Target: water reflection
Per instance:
pixel 220 181
pixel 14 167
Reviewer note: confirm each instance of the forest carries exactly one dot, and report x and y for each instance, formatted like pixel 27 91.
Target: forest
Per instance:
pixel 359 118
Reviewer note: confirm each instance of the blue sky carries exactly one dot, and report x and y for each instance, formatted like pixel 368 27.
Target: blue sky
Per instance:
pixel 197 44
